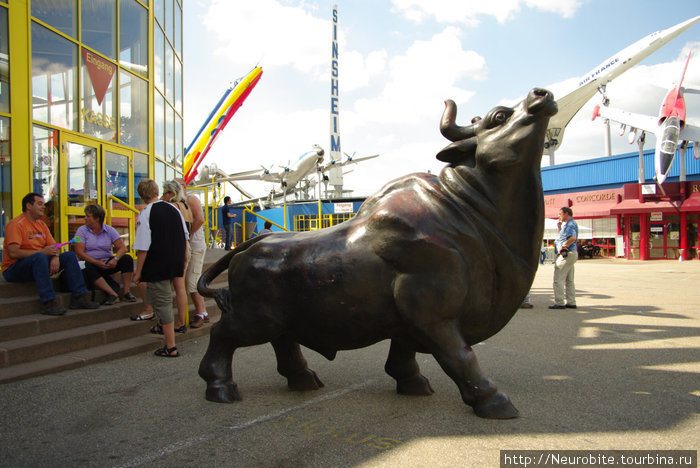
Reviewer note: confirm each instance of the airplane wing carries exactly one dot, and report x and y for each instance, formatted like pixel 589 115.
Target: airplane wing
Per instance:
pixel 350 160
pixel 648 123
pixel 258 174
pixel 690 132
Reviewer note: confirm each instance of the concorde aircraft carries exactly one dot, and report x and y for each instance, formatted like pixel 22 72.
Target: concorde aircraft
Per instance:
pixel 670 126
pixel 598 77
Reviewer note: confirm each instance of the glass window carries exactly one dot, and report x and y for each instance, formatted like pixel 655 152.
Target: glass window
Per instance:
pixel 116 168
pixel 99 26
pixel 178 142
pixel 4 64
pixel 159 10
pixel 5 175
pixel 159 175
pixel 140 173
pixel 159 125
pixel 45 172
pixel 169 74
pixel 169 134
pixel 159 59
pixel 169 173
pixel 54 66
pixel 177 40
pixel 178 86
pixel 133 37
pixel 82 174
pixel 169 19
pixel 98 112
pixel 59 14
pixel 133 111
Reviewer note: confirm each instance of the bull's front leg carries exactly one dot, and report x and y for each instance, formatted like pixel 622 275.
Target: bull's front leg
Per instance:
pixel 402 366
pixel 458 360
pixel 215 367
pixel 292 365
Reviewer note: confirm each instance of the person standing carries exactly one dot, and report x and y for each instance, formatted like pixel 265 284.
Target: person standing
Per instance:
pixel 566 256
pixel 198 248
pixel 30 253
pixel 160 244
pixel 227 214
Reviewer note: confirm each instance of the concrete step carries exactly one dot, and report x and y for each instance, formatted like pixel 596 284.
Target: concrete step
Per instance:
pixel 32 344
pixel 145 342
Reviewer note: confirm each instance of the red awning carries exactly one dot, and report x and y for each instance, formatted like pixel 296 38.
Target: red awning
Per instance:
pixel 692 203
pixel 633 207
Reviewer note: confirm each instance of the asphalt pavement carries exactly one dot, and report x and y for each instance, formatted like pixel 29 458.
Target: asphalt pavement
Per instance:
pixel 620 372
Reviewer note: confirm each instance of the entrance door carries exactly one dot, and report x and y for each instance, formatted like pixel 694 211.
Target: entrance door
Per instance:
pixel 657 240
pixel 100 173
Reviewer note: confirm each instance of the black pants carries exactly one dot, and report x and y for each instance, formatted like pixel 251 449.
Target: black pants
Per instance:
pixel 91 273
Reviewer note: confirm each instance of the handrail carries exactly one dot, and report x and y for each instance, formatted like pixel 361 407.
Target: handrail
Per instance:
pixel 249 209
pixel 124 204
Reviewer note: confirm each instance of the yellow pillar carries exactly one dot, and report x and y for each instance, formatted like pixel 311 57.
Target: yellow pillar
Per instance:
pixel 20 102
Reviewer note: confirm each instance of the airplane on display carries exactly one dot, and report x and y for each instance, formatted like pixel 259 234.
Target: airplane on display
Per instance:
pixel 290 177
pixel 670 126
pixel 595 80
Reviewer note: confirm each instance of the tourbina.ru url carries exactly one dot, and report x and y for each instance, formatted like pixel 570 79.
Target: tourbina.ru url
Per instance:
pixel 597 458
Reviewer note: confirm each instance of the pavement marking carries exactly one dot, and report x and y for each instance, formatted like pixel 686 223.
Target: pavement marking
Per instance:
pixel 190 441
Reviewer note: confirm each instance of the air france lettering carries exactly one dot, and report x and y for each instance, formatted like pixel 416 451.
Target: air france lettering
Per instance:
pixel 594 74
pixel 335 111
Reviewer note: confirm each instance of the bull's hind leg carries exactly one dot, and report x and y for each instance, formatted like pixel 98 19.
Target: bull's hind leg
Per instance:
pixel 402 366
pixel 215 367
pixel 292 365
pixel 458 360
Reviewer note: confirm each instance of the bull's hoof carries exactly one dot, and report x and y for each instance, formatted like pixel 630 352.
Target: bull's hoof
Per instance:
pixel 305 381
pixel 226 392
pixel 416 385
pixel 496 407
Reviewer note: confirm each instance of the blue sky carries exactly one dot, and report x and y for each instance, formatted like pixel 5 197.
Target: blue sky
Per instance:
pixel 400 59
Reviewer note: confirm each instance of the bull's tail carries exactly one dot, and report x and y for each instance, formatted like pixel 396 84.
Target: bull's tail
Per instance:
pixel 221 295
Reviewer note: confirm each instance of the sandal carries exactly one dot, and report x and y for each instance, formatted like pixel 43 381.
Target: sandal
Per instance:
pixel 167 352
pixel 157 329
pixel 182 329
pixel 141 317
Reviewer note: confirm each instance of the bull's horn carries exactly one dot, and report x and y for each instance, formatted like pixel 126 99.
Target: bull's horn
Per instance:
pixel 449 129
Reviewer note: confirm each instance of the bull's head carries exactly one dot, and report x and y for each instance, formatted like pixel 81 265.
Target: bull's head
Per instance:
pixel 504 136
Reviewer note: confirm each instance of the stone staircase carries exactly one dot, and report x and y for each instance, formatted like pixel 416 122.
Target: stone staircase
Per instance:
pixel 32 344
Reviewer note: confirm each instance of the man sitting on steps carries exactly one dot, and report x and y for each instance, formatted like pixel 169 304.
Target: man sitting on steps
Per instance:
pixel 30 253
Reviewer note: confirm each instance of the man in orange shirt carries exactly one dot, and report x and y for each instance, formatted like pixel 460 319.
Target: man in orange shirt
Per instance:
pixel 30 253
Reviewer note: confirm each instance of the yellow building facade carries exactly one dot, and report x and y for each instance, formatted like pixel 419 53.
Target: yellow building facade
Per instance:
pixel 91 102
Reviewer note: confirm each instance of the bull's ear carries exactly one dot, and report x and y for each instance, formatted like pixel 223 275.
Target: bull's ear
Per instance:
pixel 459 152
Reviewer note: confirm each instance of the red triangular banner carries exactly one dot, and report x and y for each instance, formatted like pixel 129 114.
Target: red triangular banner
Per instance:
pixel 101 72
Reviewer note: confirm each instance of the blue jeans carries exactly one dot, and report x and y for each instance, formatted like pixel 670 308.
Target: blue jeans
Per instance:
pixel 228 235
pixel 36 268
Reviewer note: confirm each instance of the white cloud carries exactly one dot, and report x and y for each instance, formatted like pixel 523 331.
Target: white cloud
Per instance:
pixel 422 78
pixel 469 11
pixel 248 32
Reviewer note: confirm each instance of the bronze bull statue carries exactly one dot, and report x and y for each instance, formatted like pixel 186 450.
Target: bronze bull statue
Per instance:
pixel 433 263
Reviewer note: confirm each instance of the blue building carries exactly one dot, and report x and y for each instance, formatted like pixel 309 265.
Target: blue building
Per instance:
pixel 624 217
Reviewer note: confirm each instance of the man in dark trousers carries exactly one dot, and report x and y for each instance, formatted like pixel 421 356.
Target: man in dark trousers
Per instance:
pixel 160 244
pixel 227 216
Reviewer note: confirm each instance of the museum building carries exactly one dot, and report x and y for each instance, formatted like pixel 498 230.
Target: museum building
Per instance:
pixel 625 218
pixel 91 102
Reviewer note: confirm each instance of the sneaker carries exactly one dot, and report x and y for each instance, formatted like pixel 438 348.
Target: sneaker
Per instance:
pixel 526 305
pixel 52 307
pixel 557 306
pixel 83 302
pixel 110 300
pixel 206 318
pixel 571 306
pixel 197 321
pixel 128 297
